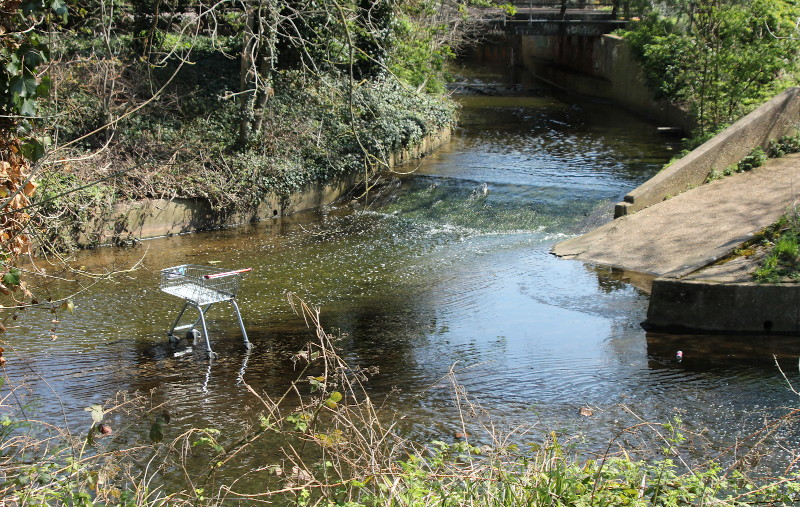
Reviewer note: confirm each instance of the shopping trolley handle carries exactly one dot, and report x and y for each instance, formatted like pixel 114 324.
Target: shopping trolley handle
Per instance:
pixel 227 273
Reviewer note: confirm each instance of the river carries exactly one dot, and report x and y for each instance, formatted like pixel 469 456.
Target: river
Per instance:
pixel 447 267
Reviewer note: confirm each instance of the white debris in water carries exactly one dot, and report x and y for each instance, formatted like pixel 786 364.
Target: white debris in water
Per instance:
pixel 183 352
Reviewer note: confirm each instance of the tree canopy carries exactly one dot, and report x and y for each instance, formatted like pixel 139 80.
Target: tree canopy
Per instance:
pixel 718 58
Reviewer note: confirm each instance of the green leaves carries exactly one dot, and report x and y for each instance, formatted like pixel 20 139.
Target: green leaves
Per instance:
pixel 11 278
pixel 96 411
pixel 157 428
pixel 60 9
pixel 722 61
pixel 24 52
pixel 333 399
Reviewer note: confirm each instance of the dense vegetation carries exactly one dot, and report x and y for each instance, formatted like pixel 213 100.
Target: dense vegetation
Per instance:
pixel 118 100
pixel 719 59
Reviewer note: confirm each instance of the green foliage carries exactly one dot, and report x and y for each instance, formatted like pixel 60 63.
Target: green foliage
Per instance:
pixel 783 146
pixel 416 59
pixel 24 50
pixel 312 126
pixel 782 261
pixel 720 59
pixel 757 157
pixel 65 207
pixel 43 465
pixel 309 136
pixel 457 474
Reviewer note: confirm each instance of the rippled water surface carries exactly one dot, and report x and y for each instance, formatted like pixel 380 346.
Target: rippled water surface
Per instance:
pixel 445 268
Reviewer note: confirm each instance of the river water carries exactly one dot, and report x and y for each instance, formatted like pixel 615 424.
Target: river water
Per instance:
pixel 444 268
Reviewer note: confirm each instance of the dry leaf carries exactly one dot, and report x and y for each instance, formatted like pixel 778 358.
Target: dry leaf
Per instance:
pixel 29 189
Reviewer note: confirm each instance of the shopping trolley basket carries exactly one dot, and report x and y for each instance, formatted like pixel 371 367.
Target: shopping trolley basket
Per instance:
pixel 201 287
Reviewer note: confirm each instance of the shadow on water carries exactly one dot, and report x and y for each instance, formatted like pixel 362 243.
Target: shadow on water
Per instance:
pixel 701 351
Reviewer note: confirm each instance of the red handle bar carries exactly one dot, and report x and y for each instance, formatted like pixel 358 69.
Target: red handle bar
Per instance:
pixel 227 273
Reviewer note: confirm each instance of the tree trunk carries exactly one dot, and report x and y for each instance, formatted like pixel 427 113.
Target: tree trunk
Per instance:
pixel 247 74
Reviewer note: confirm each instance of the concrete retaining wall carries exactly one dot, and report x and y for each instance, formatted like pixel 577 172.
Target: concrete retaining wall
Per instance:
pixel 602 67
pixel 777 117
pixel 682 305
pixel 160 217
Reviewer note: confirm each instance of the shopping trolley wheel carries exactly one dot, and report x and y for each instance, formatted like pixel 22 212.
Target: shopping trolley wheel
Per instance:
pixel 212 355
pixel 173 339
pixel 248 346
pixel 193 335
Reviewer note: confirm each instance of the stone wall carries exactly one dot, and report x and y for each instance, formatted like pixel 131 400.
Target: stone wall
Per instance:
pixel 160 217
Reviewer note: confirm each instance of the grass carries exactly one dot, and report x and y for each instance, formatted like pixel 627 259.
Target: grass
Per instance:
pixel 782 261
pixel 335 447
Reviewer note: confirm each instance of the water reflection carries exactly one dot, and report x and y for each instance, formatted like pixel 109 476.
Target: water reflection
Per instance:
pixel 703 351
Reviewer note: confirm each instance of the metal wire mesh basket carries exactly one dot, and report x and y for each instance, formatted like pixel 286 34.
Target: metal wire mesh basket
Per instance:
pixel 201 285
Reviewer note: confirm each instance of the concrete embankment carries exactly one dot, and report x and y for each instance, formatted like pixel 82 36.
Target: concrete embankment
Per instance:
pixel 603 67
pixel 161 217
pixel 598 66
pixel 680 235
pixel 676 238
pixel 775 118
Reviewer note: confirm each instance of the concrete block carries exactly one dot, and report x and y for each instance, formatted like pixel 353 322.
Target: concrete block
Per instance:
pixel 686 305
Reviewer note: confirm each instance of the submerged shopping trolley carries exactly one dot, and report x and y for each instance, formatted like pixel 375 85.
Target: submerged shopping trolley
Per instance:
pixel 201 287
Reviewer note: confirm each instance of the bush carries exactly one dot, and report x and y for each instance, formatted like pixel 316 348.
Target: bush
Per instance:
pixel 720 59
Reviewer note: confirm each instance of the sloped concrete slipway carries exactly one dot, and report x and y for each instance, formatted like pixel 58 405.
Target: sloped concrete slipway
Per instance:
pixel 687 232
pixel 677 239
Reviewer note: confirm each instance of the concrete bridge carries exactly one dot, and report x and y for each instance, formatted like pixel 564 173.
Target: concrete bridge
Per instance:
pixel 568 43
pixel 561 17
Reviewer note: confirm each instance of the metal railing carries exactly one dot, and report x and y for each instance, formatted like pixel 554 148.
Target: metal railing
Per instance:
pixel 614 7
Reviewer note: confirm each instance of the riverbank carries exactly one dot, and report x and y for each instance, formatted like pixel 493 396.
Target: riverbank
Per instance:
pixel 189 174
pixel 149 218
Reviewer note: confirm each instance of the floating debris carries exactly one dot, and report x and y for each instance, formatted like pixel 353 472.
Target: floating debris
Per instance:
pixel 183 352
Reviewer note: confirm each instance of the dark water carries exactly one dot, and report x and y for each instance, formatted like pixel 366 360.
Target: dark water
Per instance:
pixel 446 268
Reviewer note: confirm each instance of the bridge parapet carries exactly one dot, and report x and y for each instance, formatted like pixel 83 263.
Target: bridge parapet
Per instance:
pixel 565 7
pixel 589 18
pixel 561 27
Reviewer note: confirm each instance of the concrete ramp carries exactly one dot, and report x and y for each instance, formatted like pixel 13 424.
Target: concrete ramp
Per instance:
pixel 696 228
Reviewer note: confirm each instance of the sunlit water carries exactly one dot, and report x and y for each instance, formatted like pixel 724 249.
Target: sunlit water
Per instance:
pixel 444 269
